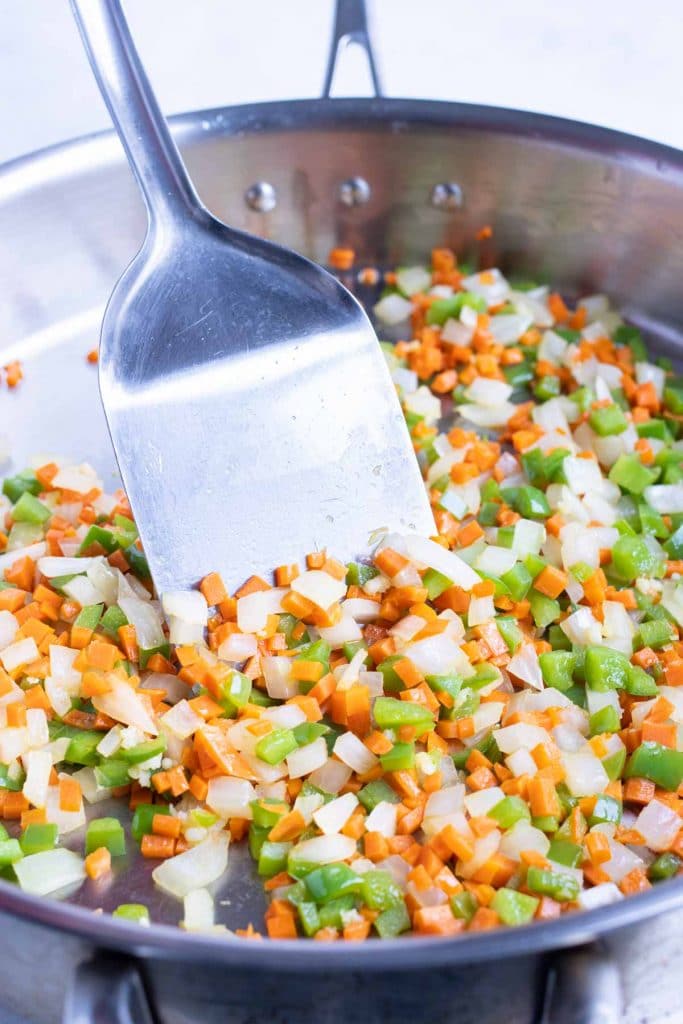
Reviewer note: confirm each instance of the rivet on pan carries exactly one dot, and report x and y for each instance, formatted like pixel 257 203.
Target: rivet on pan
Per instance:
pixel 447 196
pixel 261 197
pixel 354 192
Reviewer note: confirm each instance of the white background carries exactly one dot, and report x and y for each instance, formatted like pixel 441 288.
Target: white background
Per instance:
pixel 613 62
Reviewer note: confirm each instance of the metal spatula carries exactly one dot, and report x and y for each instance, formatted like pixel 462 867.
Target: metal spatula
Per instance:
pixel 251 411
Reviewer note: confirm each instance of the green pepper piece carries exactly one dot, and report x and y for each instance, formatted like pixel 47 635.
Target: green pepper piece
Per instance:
pixel 25 482
pixel 450 684
pixel 112 773
pixel 544 610
pixel 358 574
pixel 331 914
pixel 257 837
pixel 562 888
pixel 607 810
pixel 331 881
pixel 518 580
pixel 630 336
pixel 376 792
pixel 307 732
pixel 10 852
pixel 401 757
pixel 605 720
pixel 392 681
pixel 273 858
pixel 37 838
pixel 666 866
pixel 107 832
pixel 112 620
pixel 528 501
pixel 142 751
pixel 605 668
pixel 639 683
pixel 29 510
pixel 655 634
pixel 89 616
pixel 436 583
pixel 276 745
pixel 464 905
pixel 614 764
pixel 392 714
pixel 514 908
pixel 631 475
pixel 445 309
pixel 309 918
pixel 509 810
pixel 510 632
pixel 393 921
pixel 98 535
pixel 561 851
pixel 632 557
pixel 557 668
pixel 607 421
pixel 132 912
pixel 379 890
pixel 660 764
pixel 235 692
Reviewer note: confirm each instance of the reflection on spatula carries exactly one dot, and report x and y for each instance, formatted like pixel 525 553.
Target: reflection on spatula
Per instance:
pixel 251 412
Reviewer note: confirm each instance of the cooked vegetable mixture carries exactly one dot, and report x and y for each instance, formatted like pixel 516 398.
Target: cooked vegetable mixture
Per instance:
pixel 476 729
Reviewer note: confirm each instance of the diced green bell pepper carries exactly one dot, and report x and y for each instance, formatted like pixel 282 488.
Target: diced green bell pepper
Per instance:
pixel 514 908
pixel 557 668
pixel 607 420
pixel 562 888
pixel 107 832
pixel 660 764
pixel 29 510
pixel 37 838
pixel 275 746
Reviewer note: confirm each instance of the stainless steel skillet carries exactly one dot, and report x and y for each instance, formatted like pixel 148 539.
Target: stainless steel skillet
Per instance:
pixel 590 209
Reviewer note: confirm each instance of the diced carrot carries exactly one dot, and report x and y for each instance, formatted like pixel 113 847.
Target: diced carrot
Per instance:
pixel 166 825
pixel 639 791
pixel 665 733
pixel 70 795
pixel 157 846
pixel 98 863
pixel 543 798
pixel 598 847
pixel 213 589
pixel 390 562
pixel 551 581
pixel 438 920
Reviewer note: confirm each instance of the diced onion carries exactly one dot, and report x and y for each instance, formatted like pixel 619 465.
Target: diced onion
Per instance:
pixel 324 849
pixel 49 871
pixel 195 868
pixel 353 752
pixel 307 759
pixel 331 817
pixel 230 798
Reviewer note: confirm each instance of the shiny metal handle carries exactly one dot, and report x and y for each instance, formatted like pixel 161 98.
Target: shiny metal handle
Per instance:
pixel 107 990
pixel 350 26
pixel 582 986
pixel 125 88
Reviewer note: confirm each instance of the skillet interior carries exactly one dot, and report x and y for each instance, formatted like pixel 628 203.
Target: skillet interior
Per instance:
pixel 589 209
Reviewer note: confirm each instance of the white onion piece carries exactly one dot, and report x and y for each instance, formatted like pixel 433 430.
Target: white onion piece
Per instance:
pixel 124 704
pixel 277 673
pixel 34 551
pixel 307 759
pixel 66 821
pixel 81 589
pixel 584 773
pixel 481 802
pixel 347 629
pixel 198 911
pixel 621 862
pixel 362 609
pixel 324 849
pixel 230 798
pixel 49 871
pixel 666 499
pixel 254 609
pixel 393 309
pixel 353 752
pixel 182 720
pixel 195 868
pixel 411 280
pixel 331 776
pixel 658 825
pixel 599 896
pixel 429 553
pixel 382 818
pixel 188 605
pixel 522 734
pixel 487 392
pixel 525 666
pixel 146 620
pixel 319 587
pixel 488 416
pixel 8 628
pixel 38 765
pixel 19 653
pixel 238 647
pixel 521 837
pixel 331 817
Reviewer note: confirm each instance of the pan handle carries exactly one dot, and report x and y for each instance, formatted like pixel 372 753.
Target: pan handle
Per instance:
pixel 350 27
pixel 582 986
pixel 107 990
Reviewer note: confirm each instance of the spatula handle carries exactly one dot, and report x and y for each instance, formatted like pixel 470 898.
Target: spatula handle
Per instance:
pixel 126 90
